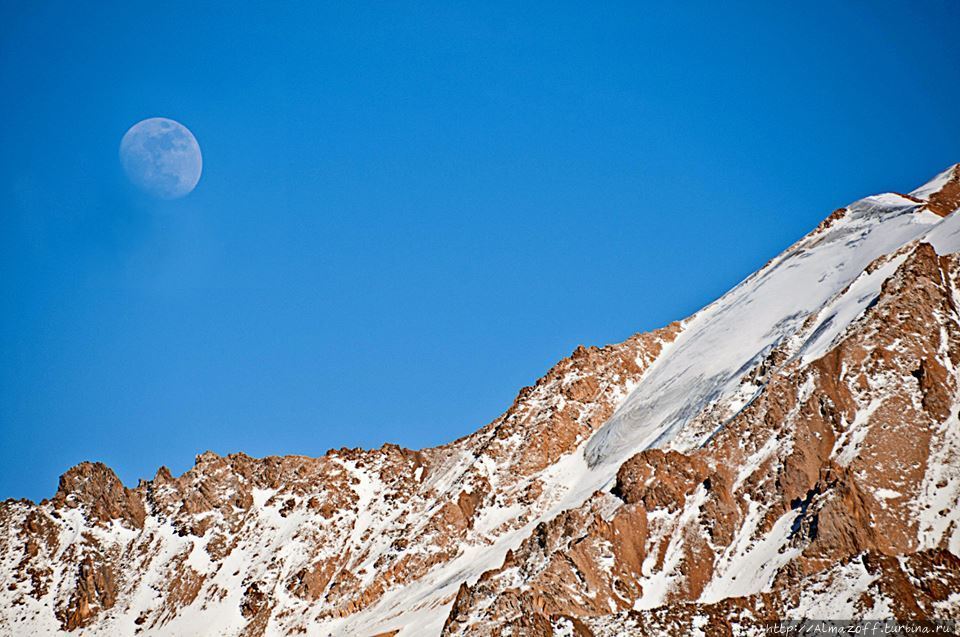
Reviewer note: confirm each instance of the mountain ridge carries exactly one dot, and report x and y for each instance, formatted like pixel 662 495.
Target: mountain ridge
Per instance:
pixel 605 492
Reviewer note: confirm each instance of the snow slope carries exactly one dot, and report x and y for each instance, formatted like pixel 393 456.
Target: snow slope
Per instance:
pixel 748 374
pixel 726 339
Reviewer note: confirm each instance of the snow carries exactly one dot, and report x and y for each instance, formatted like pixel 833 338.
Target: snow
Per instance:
pixel 261 496
pixel 847 446
pixel 935 184
pixel 605 557
pixel 886 494
pixel 732 335
pixel 657 582
pixel 749 565
pixel 365 491
pixel 199 559
pixel 937 506
pixel 697 624
pixel 836 595
pixel 838 313
pixel 563 627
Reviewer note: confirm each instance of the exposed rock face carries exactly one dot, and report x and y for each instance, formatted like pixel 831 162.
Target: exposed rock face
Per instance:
pixel 946 198
pixel 95 590
pixel 824 478
pixel 96 488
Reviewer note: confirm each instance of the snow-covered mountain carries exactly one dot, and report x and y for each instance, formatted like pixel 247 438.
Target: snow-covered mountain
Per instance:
pixel 791 450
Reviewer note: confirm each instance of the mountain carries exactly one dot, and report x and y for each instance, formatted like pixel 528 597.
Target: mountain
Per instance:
pixel 791 450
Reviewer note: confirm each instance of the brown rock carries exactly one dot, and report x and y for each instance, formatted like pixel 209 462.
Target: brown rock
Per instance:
pixel 96 486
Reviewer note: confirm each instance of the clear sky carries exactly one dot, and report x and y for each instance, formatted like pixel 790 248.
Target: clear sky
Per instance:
pixel 409 210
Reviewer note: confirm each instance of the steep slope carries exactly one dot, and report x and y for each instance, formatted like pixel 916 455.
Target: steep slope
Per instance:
pixel 849 456
pixel 734 463
pixel 721 342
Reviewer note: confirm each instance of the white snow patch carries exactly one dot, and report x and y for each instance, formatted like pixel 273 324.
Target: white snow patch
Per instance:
pixel 749 565
pixel 847 446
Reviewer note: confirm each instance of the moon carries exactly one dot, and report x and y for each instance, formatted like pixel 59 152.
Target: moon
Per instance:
pixel 161 157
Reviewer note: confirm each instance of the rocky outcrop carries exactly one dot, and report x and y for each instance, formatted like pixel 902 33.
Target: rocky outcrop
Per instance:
pixel 97 489
pixel 95 591
pixel 946 199
pixel 658 478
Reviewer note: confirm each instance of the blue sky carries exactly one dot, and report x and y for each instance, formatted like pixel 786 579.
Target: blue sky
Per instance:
pixel 409 210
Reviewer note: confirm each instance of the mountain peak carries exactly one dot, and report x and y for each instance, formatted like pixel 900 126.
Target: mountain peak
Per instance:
pixel 95 486
pixel 942 193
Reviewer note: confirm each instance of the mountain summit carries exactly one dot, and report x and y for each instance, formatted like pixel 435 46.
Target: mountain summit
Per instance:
pixel 792 450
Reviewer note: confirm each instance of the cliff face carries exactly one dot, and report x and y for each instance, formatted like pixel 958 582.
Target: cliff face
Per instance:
pixel 791 450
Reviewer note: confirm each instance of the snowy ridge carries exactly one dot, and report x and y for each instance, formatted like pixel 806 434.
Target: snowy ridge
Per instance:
pixel 798 308
pixel 729 337
pixel 439 541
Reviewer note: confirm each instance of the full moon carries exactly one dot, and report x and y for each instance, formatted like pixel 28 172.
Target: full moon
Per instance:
pixel 162 157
